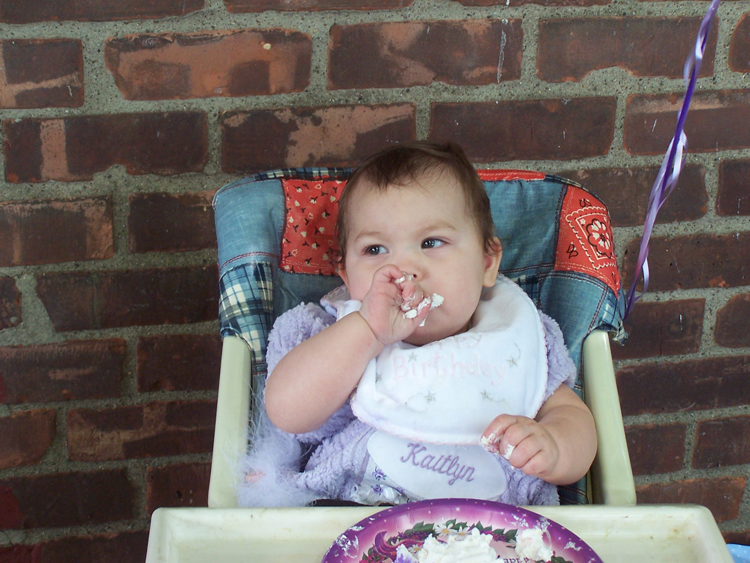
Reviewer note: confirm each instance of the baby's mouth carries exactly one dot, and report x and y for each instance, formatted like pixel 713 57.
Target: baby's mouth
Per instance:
pixel 432 302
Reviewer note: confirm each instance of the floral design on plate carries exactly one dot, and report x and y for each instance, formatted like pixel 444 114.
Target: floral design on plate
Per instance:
pixel 376 539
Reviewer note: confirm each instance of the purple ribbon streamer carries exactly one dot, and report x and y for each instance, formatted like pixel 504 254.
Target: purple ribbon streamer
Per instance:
pixel 670 169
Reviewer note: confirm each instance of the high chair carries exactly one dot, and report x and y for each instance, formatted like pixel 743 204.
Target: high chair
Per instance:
pixel 275 232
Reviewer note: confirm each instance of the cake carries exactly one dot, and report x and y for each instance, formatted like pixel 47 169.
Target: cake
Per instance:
pixel 470 548
pixel 474 547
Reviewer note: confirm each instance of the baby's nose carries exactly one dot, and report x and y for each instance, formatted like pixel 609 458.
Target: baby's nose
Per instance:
pixel 410 264
pixel 411 271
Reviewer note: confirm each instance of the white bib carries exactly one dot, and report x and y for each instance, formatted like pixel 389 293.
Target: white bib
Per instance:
pixel 447 392
pixel 434 471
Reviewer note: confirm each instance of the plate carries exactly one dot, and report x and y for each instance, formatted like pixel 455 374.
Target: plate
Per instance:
pixel 376 538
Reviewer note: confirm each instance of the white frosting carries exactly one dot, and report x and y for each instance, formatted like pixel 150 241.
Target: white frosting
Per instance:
pixel 508 451
pixel 471 548
pixel 530 544
pixel 433 302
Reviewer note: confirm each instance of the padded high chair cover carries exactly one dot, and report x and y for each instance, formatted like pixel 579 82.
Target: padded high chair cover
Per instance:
pixel 275 234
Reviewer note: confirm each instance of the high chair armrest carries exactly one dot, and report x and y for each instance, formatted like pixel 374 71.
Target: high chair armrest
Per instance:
pixel 611 474
pixel 232 415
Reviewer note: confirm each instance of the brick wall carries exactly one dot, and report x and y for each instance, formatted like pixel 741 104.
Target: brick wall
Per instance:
pixel 120 118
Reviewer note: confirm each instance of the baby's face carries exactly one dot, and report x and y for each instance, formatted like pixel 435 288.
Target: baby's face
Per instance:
pixel 425 231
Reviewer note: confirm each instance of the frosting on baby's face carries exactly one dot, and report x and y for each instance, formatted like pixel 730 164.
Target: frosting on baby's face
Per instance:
pixel 425 231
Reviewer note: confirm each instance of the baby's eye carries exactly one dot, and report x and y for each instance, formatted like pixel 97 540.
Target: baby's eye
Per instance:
pixel 374 250
pixel 432 243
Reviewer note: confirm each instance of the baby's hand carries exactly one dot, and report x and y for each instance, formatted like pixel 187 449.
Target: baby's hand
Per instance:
pixel 525 443
pixel 395 305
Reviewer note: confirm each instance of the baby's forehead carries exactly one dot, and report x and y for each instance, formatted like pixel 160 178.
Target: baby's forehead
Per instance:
pixel 428 184
pixel 427 203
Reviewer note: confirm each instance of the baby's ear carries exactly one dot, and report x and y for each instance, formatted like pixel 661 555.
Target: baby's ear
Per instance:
pixel 492 262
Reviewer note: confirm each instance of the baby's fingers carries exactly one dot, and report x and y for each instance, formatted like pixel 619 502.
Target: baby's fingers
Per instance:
pixel 497 428
pixel 504 434
pixel 411 297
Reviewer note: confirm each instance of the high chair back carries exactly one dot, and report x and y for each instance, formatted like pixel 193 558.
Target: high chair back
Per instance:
pixel 276 234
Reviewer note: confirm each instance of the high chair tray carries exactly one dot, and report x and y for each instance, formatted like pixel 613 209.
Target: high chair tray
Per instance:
pixel 646 534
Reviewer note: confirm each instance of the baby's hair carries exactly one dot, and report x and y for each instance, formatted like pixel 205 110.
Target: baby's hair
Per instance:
pixel 415 161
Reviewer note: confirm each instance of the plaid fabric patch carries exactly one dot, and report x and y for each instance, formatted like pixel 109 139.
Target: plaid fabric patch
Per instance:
pixel 304 174
pixel 577 493
pixel 530 284
pixel 246 305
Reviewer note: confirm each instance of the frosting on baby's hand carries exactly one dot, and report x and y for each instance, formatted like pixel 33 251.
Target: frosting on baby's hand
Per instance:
pixel 431 302
pixel 411 312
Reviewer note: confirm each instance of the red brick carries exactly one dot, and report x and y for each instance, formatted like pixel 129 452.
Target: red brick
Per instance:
pixel 739 47
pixel 716 121
pixel 533 129
pixel 625 191
pixel 313 5
pixel 732 322
pixel 86 369
pixel 27 11
pixel 400 54
pixel 25 436
pixel 506 3
pixel 684 386
pixel 693 261
pixel 656 448
pixel 721 442
pixel 148 430
pixel 203 65
pixel 171 222
pixel 733 198
pixel 741 537
pixel 19 554
pixel 75 148
pixel 570 49
pixel 177 485
pixel 41 73
pixel 325 136
pixel 97 300
pixel 10 303
pixel 183 362
pixel 66 499
pixel 662 329
pixel 115 547
pixel 721 495
pixel 44 232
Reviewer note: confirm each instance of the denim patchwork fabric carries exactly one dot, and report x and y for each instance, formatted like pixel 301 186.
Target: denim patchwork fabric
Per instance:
pixel 556 242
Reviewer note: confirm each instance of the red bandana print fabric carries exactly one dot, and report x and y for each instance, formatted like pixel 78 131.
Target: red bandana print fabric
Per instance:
pixel 585 241
pixel 309 242
pixel 498 175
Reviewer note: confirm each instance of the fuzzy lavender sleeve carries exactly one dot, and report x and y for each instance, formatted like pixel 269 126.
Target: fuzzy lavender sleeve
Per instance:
pixel 560 367
pixel 294 327
pixel 290 329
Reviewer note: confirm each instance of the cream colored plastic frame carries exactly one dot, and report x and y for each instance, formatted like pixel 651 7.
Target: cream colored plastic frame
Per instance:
pixel 618 534
pixel 611 475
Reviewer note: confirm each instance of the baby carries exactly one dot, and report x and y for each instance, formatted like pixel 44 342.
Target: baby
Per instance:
pixel 438 378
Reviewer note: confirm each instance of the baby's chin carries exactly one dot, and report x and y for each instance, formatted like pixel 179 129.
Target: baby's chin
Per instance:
pixel 423 335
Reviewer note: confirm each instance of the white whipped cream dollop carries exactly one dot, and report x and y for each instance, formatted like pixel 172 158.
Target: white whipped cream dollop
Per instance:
pixel 470 548
pixel 530 544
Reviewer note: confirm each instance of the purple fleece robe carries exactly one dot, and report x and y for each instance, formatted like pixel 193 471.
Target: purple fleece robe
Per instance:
pixel 282 469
